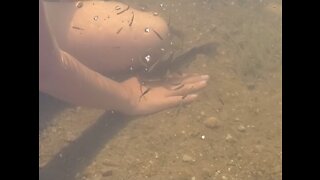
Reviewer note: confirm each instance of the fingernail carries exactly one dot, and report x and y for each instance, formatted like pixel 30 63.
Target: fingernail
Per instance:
pixel 205 77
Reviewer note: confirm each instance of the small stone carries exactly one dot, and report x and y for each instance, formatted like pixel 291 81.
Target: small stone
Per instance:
pixel 224 178
pixel 187 158
pixel 193 178
pixel 229 138
pixel 241 128
pixel 202 113
pixel 211 122
pixel 217 172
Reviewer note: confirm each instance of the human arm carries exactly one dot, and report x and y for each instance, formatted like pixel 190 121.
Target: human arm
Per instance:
pixel 64 77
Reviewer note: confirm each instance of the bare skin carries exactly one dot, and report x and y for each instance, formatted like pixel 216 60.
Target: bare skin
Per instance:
pixel 100 32
pixel 74 74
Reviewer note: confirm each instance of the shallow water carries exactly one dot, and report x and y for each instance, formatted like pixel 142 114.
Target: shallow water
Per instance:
pixel 244 97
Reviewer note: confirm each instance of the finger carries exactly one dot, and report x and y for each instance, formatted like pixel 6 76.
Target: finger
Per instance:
pixel 188 88
pixel 173 101
pixel 180 77
pixel 194 79
pixel 174 82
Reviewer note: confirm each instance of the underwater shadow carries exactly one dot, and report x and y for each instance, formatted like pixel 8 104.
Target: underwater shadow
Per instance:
pixel 48 108
pixel 78 154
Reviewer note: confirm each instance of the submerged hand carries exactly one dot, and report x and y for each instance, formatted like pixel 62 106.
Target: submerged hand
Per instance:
pixel 146 100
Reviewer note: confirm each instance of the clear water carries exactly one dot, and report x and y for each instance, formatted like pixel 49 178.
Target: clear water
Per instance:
pixel 244 95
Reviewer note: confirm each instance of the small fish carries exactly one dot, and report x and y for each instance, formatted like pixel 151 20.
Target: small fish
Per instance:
pixel 77 28
pixel 117 7
pixel 221 101
pixel 123 10
pixel 145 92
pixel 157 34
pixel 180 105
pixel 119 30
pixel 175 61
pixel 130 24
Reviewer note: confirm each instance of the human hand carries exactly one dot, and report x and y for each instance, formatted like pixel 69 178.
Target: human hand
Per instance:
pixel 144 99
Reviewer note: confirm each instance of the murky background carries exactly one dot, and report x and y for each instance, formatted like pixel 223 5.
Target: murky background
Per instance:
pixel 233 131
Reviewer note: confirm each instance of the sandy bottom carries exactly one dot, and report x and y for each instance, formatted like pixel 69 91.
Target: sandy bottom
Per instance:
pixel 232 132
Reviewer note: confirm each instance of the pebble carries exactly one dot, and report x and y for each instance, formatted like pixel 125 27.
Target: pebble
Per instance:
pixel 241 128
pixel 211 122
pixel 229 138
pixel 187 158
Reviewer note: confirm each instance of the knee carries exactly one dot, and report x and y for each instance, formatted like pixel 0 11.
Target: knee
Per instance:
pixel 158 28
pixel 154 29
